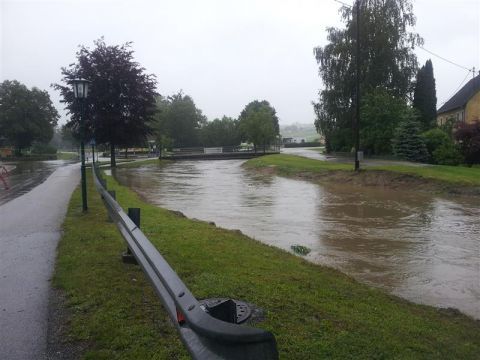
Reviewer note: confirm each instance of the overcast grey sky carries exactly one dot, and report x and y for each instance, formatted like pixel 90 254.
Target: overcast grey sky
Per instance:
pixel 222 53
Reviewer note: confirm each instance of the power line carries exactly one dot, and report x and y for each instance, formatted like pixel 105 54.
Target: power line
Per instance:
pixel 441 57
pixel 458 88
pixel 344 4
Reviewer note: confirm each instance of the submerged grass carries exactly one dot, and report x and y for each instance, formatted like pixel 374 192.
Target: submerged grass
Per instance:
pixel 315 312
pixel 291 165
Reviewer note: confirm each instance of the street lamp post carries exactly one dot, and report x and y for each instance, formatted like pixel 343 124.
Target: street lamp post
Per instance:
pixel 80 89
pixel 357 86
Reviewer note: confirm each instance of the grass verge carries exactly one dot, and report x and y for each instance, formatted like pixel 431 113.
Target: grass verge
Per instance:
pixel 293 165
pixel 112 309
pixel 314 312
pixel 67 155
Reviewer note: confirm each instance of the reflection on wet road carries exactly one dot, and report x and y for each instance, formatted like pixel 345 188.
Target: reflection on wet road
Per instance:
pixel 23 176
pixel 420 247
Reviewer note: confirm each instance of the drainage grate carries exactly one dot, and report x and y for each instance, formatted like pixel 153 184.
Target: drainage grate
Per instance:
pixel 229 310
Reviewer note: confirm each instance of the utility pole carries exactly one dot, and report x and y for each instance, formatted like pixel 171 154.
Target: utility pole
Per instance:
pixel 357 86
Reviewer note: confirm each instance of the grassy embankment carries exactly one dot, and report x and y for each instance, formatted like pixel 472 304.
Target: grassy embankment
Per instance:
pixel 290 165
pixel 314 312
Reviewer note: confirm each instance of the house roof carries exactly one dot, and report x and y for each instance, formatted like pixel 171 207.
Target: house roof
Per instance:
pixel 462 96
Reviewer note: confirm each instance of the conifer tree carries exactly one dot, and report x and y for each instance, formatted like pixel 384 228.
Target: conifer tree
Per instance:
pixel 407 143
pixel 425 96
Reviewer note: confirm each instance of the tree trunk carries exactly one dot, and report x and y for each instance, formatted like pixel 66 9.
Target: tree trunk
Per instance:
pixel 255 148
pixel 112 156
pixel 126 152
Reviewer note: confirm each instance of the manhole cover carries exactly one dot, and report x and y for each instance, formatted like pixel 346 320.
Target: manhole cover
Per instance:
pixel 218 308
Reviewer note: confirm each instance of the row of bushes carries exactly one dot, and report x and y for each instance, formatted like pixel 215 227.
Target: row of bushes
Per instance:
pixel 441 145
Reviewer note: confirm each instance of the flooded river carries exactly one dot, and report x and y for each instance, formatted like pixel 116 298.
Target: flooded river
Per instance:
pixel 420 247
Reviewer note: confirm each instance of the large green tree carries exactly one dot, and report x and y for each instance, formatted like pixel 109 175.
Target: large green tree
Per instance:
pixel 425 96
pixel 258 123
pixel 221 132
pixel 386 60
pixel 25 115
pixel 179 119
pixel 121 104
pixel 381 113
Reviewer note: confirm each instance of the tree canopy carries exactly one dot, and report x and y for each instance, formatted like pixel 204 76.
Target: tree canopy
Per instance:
pixel 425 96
pixel 25 115
pixel 121 102
pixel 380 113
pixel 258 123
pixel 221 132
pixel 386 61
pixel 179 120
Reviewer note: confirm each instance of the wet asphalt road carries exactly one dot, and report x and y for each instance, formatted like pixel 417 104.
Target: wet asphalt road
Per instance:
pixel 29 233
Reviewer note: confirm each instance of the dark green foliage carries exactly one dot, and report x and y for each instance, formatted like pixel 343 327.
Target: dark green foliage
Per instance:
pixel 434 138
pixel 468 138
pixel 258 123
pixel 25 115
pixel 121 102
pixel 178 121
pixel 441 148
pixel 221 132
pixel 380 114
pixel 407 142
pixel 447 154
pixel 39 148
pixel 386 57
pixel 257 105
pixel 425 96
pixel 300 249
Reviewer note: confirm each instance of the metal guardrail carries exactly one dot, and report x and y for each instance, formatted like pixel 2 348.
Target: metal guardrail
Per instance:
pixel 204 336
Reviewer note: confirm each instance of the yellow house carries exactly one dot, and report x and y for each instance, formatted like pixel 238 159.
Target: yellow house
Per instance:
pixel 464 105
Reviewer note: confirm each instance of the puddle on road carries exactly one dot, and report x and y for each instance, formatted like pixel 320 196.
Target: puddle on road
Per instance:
pixel 23 176
pixel 423 248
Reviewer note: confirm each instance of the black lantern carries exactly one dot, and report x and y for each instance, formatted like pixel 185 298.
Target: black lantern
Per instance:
pixel 80 88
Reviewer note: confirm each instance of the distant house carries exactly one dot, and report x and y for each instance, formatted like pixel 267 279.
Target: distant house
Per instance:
pixel 464 105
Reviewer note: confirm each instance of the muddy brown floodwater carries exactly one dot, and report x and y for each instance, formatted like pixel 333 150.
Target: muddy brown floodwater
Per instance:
pixel 421 247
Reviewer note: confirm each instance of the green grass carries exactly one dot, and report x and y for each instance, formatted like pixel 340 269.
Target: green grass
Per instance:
pixel 450 174
pixel 113 309
pixel 66 155
pixel 291 165
pixel 315 312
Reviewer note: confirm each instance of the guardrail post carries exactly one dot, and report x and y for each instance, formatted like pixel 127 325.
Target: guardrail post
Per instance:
pixel 134 215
